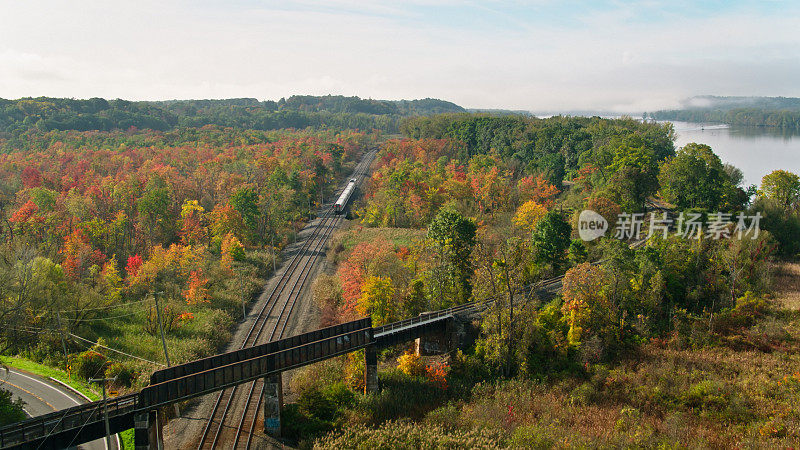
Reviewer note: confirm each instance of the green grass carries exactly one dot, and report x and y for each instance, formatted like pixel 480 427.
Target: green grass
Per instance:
pixel 127 439
pixel 401 237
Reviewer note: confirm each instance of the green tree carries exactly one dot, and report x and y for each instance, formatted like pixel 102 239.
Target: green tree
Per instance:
pixel 245 201
pixel 453 235
pixel 696 178
pixel 783 187
pixel 155 212
pixel 552 239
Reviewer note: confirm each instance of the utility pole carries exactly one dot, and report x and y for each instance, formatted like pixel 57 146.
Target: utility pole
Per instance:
pixel 241 290
pixel 61 332
pixel 161 327
pixel 103 381
pixel 273 253
pixel 164 341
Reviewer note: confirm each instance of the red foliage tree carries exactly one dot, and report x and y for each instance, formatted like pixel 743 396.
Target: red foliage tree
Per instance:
pixel 24 213
pixel 134 264
pixel 31 177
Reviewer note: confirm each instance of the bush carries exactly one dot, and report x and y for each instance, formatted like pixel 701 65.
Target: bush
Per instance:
pixel 10 410
pixel 90 364
pixel 408 435
pixel 411 364
pixel 216 328
pixel 314 403
pixel 296 425
pixel 531 436
pixel 125 373
pixel 400 396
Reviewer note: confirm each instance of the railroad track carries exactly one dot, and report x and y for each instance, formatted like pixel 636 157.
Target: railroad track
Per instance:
pixel 281 301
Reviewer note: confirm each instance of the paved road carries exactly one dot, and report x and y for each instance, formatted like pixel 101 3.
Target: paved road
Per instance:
pixel 41 396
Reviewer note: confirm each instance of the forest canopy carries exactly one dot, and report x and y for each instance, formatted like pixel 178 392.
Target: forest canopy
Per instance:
pixel 23 117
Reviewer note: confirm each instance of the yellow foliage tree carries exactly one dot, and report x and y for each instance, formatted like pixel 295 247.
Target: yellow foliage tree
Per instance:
pixel 587 307
pixel 377 294
pixel 232 250
pixel 528 215
pixel 411 364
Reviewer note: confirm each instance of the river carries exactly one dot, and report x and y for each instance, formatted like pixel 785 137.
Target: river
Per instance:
pixel 757 151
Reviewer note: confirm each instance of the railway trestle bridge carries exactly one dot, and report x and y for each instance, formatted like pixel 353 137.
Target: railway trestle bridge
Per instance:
pixel 267 361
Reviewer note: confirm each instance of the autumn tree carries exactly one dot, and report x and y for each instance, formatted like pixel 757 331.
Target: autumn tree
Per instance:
pixel 528 215
pixel 196 290
pixel 590 313
pixel 193 231
pixel 79 256
pixel 537 189
pixel 377 300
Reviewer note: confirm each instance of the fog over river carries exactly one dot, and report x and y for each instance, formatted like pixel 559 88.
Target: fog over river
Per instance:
pixel 757 151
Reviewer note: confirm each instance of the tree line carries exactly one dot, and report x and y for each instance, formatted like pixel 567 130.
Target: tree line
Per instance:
pixel 45 114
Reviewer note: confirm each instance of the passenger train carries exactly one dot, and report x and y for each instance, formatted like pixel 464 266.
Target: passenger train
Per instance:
pixel 341 202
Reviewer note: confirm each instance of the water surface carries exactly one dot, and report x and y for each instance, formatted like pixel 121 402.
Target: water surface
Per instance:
pixel 757 151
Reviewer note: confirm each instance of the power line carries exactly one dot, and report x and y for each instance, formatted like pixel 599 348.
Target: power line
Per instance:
pixel 114 317
pixel 105 307
pixel 116 351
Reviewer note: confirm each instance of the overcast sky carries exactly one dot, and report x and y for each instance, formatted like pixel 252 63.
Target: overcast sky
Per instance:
pixel 539 55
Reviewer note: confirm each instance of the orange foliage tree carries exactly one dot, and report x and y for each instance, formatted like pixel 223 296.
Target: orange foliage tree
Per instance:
pixel 196 290
pixel 537 189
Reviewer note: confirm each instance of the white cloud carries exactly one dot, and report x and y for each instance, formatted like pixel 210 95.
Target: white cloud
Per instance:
pixel 487 58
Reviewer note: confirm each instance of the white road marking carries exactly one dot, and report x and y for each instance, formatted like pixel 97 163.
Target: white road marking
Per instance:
pixel 47 385
pixel 53 388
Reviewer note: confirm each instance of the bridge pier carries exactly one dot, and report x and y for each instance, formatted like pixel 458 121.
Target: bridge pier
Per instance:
pixel 273 400
pixel 147 433
pixel 440 341
pixel 371 369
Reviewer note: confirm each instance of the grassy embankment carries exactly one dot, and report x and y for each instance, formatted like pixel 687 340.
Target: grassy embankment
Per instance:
pixel 741 388
pixel 78 384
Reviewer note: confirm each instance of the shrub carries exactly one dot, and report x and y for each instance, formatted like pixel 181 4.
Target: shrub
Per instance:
pixel 339 394
pixel 318 410
pixel 704 393
pixel 400 396
pixel 314 403
pixel 296 425
pixel 407 435
pixel 170 319
pixel 448 416
pixel 125 373
pixel 315 376
pixel 437 374
pixel 531 436
pixel 216 328
pixel 90 364
pixel 411 364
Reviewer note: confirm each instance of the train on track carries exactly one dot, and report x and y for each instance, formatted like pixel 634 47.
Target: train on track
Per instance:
pixel 341 202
